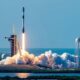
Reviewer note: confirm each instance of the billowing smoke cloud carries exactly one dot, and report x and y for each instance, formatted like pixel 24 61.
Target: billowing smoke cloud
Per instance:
pixel 48 58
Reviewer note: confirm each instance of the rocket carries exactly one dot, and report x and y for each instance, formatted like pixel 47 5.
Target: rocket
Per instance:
pixel 23 32
pixel 23 29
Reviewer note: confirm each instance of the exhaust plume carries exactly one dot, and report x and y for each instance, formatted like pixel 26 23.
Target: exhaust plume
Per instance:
pixel 47 58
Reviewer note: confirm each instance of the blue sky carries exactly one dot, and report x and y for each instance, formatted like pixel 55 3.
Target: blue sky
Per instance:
pixel 49 23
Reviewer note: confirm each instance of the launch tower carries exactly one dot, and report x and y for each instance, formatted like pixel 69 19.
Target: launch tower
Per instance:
pixel 13 40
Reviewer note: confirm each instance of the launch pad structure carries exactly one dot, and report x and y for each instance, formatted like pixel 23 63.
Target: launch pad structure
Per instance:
pixel 13 41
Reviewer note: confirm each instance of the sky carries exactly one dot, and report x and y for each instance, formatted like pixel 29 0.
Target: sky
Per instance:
pixel 48 23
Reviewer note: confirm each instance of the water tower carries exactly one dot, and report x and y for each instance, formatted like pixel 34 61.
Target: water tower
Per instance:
pixel 77 42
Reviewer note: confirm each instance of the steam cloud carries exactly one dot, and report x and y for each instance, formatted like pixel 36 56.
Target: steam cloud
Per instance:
pixel 48 58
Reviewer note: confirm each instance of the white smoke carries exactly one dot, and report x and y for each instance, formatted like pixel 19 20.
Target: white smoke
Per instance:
pixel 50 59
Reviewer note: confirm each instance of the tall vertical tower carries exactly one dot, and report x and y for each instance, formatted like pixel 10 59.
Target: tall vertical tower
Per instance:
pixel 13 42
pixel 77 42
